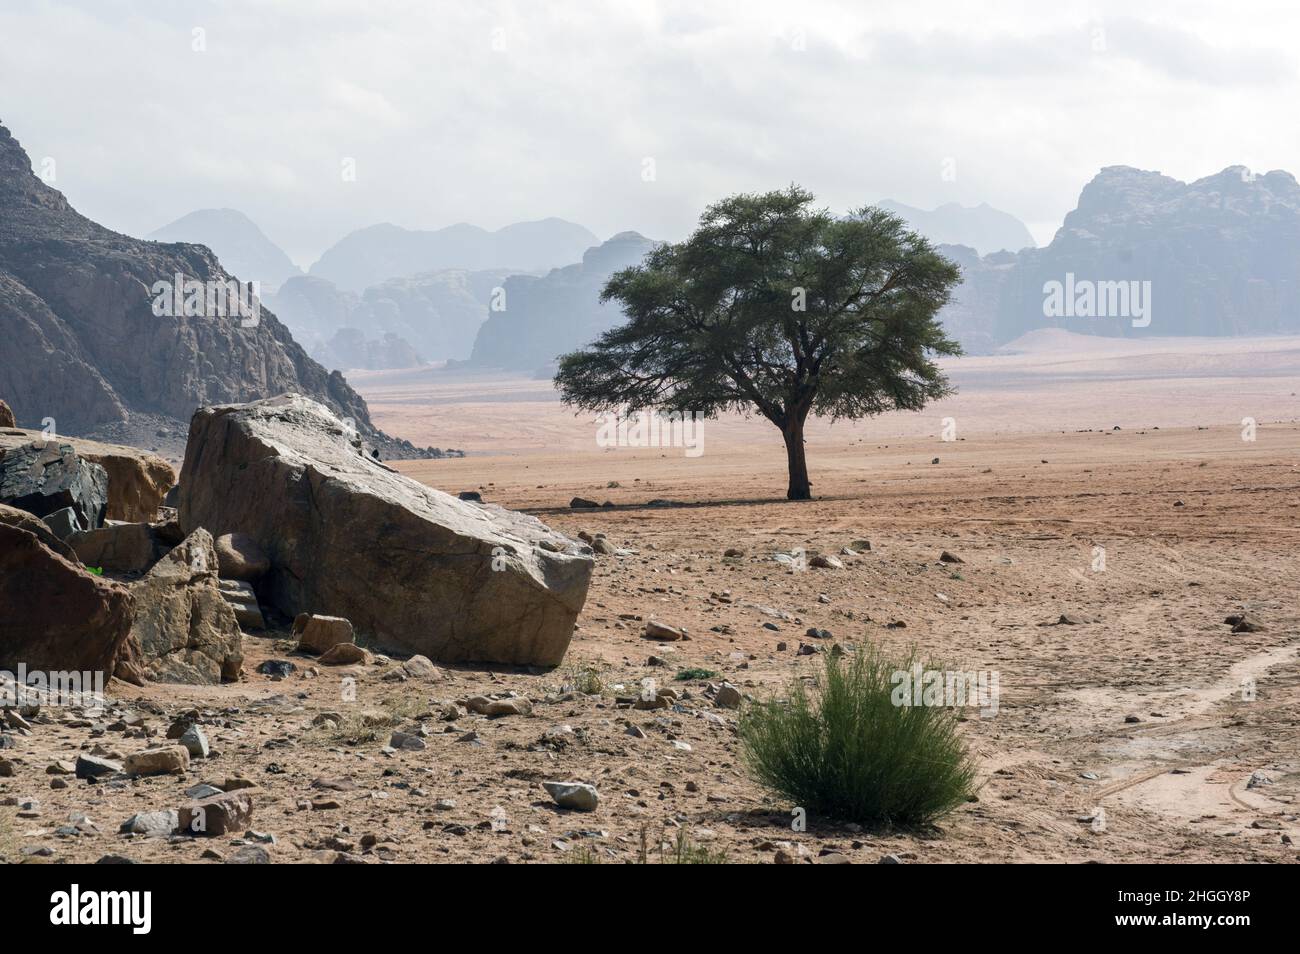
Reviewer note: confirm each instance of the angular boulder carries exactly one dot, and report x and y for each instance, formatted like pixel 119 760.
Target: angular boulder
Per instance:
pixel 7 416
pixel 119 547
pixel 137 480
pixel 243 600
pixel 240 557
pixel 183 630
pixel 411 567
pixel 54 615
pixel 320 634
pixel 33 524
pixel 44 476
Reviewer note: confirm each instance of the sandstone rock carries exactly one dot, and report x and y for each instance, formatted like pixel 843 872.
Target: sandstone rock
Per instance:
pixel 42 530
pixel 119 547
pixel 240 557
pixel 55 616
pixel 343 654
pixel 93 766
pixel 728 696
pixel 243 600
pixel 421 667
pixel 137 480
pixel 151 824
pixel 946 557
pixel 183 631
pixel 825 562
pixel 6 416
pixel 163 760
pixel 582 503
pixel 661 631
pixel 411 567
pixel 44 476
pixel 577 796
pixel 498 707
pixel 320 634
pixel 217 815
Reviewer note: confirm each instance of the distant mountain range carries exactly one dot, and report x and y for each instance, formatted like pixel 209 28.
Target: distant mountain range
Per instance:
pixel 1217 256
pixel 546 316
pixel 242 247
pixel 432 316
pixel 382 252
pixel 980 227
pixel 87 337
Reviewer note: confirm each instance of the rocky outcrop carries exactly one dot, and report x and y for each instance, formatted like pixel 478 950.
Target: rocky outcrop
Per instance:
pixel 182 630
pixel 55 616
pixel 46 476
pixel 1217 254
pixel 979 227
pixel 119 547
pixel 137 480
pixel 35 525
pixel 411 567
pixel 243 248
pixel 560 312
pixel 7 416
pixel 89 337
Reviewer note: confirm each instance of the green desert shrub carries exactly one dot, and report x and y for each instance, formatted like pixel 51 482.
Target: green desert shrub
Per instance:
pixel 846 751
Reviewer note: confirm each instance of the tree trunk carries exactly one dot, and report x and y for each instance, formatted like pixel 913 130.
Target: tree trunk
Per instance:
pixel 800 488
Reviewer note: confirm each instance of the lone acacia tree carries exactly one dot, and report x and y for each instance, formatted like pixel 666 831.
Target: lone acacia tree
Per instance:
pixel 774 306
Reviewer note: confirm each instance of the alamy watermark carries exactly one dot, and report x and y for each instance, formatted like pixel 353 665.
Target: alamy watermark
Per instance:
pixel 919 686
pixel 51 688
pixel 625 428
pixel 191 298
pixel 1084 298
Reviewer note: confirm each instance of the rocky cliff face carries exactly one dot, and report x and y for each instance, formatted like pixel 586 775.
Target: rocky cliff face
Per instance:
pixel 980 227
pixel 545 317
pixel 242 247
pixel 83 344
pixel 1219 255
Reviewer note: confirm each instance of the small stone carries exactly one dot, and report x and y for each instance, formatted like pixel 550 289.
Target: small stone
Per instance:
pixel 516 705
pixel 826 562
pixel 945 557
pixel 343 654
pixel 319 634
pixel 195 742
pixel 218 815
pixel 164 760
pixel 728 696
pixel 152 824
pixel 250 855
pixel 661 631
pixel 577 796
pixel 277 668
pixel 407 742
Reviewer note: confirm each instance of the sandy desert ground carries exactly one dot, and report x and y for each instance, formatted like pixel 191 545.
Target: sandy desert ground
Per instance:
pixel 1122 688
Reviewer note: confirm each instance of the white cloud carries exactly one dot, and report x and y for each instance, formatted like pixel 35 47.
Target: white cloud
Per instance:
pixel 498 112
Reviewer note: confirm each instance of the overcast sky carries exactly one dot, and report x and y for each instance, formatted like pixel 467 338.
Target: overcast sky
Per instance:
pixel 493 113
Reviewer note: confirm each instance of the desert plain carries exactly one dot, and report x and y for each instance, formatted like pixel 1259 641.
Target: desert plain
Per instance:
pixel 1112 503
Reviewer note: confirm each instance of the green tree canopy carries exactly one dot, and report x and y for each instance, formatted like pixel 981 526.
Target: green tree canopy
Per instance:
pixel 777 307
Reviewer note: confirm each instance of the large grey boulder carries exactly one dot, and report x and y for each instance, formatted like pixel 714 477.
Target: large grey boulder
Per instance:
pixel 183 630
pixel 44 476
pixel 411 567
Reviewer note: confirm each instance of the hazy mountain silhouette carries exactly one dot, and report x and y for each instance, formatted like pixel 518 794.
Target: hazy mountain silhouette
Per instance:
pixel 82 342
pixel 381 252
pixel 549 315
pixel 1219 254
pixel 980 227
pixel 242 248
